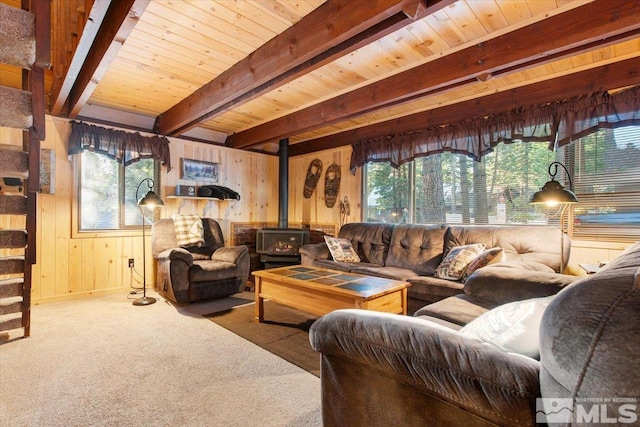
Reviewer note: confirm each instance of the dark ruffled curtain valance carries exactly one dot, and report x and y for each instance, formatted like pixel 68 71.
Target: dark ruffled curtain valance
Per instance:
pixel 558 122
pixel 125 147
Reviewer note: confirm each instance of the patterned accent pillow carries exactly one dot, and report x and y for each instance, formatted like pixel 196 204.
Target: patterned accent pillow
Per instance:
pixel 189 230
pixel 341 249
pixel 455 263
pixel 512 327
pixel 488 257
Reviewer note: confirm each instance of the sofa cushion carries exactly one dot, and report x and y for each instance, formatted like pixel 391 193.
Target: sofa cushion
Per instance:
pixel 515 281
pixel 208 271
pixel 341 249
pixel 540 244
pixel 459 309
pixel 455 263
pixel 370 241
pixel 393 273
pixel 416 247
pixel 344 266
pixel 512 327
pixel 431 289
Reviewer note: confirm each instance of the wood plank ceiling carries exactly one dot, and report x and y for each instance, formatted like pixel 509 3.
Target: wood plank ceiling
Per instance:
pixel 327 73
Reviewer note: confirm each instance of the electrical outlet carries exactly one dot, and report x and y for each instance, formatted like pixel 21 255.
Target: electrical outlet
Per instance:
pixel 130 262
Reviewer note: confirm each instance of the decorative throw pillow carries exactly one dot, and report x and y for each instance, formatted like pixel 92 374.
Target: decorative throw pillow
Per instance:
pixel 341 249
pixel 189 230
pixel 512 327
pixel 487 257
pixel 455 263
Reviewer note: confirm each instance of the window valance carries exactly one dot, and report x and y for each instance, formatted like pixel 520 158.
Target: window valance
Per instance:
pixel 558 122
pixel 125 147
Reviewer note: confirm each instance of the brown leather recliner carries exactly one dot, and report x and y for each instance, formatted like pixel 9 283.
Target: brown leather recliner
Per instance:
pixel 192 273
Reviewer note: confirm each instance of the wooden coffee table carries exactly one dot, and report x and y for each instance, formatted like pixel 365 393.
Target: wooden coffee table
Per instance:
pixel 320 291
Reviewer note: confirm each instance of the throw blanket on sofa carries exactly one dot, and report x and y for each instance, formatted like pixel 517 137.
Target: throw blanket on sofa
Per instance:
pixel 189 230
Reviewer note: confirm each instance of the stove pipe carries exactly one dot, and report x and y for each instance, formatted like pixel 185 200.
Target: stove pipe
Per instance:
pixel 283 181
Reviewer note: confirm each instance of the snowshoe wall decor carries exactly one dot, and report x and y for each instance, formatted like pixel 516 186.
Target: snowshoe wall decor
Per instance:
pixel 313 176
pixel 332 185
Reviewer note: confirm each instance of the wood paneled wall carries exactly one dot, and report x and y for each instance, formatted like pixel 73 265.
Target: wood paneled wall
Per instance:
pixel 314 209
pixel 76 265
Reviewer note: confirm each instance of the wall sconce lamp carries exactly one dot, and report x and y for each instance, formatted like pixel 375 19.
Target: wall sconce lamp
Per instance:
pixel 150 200
pixel 554 194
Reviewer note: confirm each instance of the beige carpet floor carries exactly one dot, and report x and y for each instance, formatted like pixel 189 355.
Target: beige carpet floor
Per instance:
pixel 104 362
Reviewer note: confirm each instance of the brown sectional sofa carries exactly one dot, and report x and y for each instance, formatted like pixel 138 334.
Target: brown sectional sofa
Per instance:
pixel 380 369
pixel 411 253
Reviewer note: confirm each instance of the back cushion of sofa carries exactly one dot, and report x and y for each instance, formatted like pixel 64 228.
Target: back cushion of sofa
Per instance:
pixel 370 240
pixel 416 247
pixel 526 244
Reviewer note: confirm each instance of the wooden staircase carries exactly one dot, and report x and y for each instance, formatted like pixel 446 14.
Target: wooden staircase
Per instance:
pixel 25 35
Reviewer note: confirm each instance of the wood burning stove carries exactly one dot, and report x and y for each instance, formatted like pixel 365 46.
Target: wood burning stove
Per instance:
pixel 280 246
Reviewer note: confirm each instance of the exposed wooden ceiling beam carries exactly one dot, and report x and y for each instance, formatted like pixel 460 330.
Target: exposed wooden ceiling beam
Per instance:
pixel 613 76
pixel 62 84
pixel 579 28
pixel 120 19
pixel 334 29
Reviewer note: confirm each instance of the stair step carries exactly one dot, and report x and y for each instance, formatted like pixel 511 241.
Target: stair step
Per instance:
pixel 14 163
pixel 13 205
pixel 12 265
pixel 13 239
pixel 10 306
pixel 15 110
pixel 11 287
pixel 17 37
pixel 10 323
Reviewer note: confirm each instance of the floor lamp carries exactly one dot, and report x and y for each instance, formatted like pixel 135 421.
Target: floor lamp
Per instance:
pixel 553 194
pixel 150 200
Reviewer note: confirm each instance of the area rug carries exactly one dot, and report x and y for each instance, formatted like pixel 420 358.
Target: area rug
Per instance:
pixel 284 332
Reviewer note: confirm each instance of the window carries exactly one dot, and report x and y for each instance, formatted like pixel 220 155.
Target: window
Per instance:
pixel 107 192
pixel 606 172
pixel 452 188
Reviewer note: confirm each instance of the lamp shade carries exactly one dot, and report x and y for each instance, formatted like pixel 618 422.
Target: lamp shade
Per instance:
pixel 553 193
pixel 150 199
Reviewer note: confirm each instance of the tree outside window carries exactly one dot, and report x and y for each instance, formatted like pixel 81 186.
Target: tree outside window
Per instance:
pixel 453 188
pixel 107 192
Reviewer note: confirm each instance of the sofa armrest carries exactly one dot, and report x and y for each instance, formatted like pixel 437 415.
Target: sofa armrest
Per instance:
pixel 504 284
pixel 174 254
pixel 312 252
pixel 432 359
pixel 229 254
